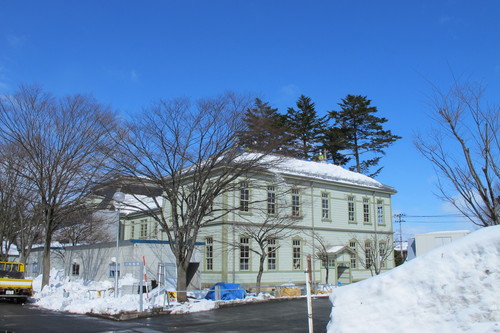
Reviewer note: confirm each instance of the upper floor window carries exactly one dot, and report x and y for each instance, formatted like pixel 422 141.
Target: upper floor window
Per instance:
pixel 244 253
pixel 350 208
pixel 209 253
pixel 295 202
pixel 132 230
pixel 271 200
pixel 380 212
pixel 244 197
pixel 325 206
pixel 144 229
pixel 366 210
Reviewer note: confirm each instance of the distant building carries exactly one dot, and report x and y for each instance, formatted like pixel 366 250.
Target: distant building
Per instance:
pixel 423 243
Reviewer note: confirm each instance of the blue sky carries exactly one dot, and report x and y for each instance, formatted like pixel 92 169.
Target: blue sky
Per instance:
pixel 130 53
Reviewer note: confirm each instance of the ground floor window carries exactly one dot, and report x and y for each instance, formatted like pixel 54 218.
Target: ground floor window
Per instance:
pixel 75 269
pixel 209 253
pixel 244 253
pixel 297 253
pixel 271 254
pixel 113 271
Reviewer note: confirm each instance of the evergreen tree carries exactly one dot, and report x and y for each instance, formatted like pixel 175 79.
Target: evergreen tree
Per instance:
pixel 265 129
pixel 364 134
pixel 305 127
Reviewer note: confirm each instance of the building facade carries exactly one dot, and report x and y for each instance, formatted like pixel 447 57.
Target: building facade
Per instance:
pixel 332 214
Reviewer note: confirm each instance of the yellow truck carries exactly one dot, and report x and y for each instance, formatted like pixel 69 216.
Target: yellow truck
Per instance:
pixel 12 282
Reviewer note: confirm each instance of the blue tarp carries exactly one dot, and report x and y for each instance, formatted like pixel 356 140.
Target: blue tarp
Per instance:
pixel 228 291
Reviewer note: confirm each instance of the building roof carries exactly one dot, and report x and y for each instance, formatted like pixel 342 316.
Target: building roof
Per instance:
pixel 326 172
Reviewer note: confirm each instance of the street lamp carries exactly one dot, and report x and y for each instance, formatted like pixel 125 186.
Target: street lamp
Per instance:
pixel 118 199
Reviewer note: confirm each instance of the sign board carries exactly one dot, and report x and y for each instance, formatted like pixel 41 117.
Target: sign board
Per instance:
pixel 132 263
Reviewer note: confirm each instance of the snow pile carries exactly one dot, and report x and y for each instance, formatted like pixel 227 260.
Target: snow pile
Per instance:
pixel 454 288
pixel 78 296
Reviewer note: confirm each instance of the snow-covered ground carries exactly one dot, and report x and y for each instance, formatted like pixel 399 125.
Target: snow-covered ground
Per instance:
pixel 97 297
pixel 454 288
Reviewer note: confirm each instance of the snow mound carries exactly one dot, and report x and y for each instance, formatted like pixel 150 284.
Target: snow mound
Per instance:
pixel 454 288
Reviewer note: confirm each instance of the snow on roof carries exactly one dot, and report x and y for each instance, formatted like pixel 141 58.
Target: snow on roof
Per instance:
pixel 135 203
pixel 335 249
pixel 319 170
pixel 453 288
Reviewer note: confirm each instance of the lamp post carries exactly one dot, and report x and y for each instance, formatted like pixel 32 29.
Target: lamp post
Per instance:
pixel 118 199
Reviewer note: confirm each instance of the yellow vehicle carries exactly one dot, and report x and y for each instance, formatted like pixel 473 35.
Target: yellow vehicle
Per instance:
pixel 12 281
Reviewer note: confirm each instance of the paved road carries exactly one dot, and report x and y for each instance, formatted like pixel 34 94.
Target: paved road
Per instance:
pixel 284 316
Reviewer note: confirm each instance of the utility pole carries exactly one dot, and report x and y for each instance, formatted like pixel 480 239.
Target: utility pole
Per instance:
pixel 400 220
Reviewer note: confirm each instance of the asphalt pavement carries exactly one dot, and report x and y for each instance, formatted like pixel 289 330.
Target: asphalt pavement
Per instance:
pixel 281 316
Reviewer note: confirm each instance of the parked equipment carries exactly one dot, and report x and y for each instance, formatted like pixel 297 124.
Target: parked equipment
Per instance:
pixel 12 281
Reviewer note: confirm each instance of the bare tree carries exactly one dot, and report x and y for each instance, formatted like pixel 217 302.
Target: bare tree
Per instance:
pixel 320 249
pixel 83 227
pixel 63 146
pixel 18 224
pixel 464 149
pixel 374 251
pixel 264 229
pixel 190 154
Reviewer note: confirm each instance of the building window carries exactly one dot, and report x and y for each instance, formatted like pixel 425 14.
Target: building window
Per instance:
pixel 244 253
pixel 325 206
pixel 350 208
pixel 380 212
pixel 352 245
pixel 132 231
pixel 295 202
pixel 35 268
pixel 381 247
pixel 271 254
pixel 144 230
pixel 244 197
pixel 75 269
pixel 112 270
pixel 155 230
pixel 209 253
pixel 366 210
pixel 331 262
pixel 297 253
pixel 368 254
pixel 271 200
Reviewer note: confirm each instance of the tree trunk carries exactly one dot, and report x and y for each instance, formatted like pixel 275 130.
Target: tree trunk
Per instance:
pixel 261 270
pixel 327 272
pixel 46 260
pixel 182 282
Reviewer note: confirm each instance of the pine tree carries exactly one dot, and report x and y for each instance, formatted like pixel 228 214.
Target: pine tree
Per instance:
pixel 364 134
pixel 265 129
pixel 305 127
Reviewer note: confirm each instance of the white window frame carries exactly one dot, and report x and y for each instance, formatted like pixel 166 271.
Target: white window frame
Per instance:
pixel 296 202
pixel 272 254
pixel 209 253
pixel 244 197
pixel 351 209
pixel 380 212
pixel 296 254
pixel 325 206
pixel 244 253
pixel 366 210
pixel 271 200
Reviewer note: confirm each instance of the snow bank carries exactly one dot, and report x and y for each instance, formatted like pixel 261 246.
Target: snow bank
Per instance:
pixel 454 288
pixel 79 296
